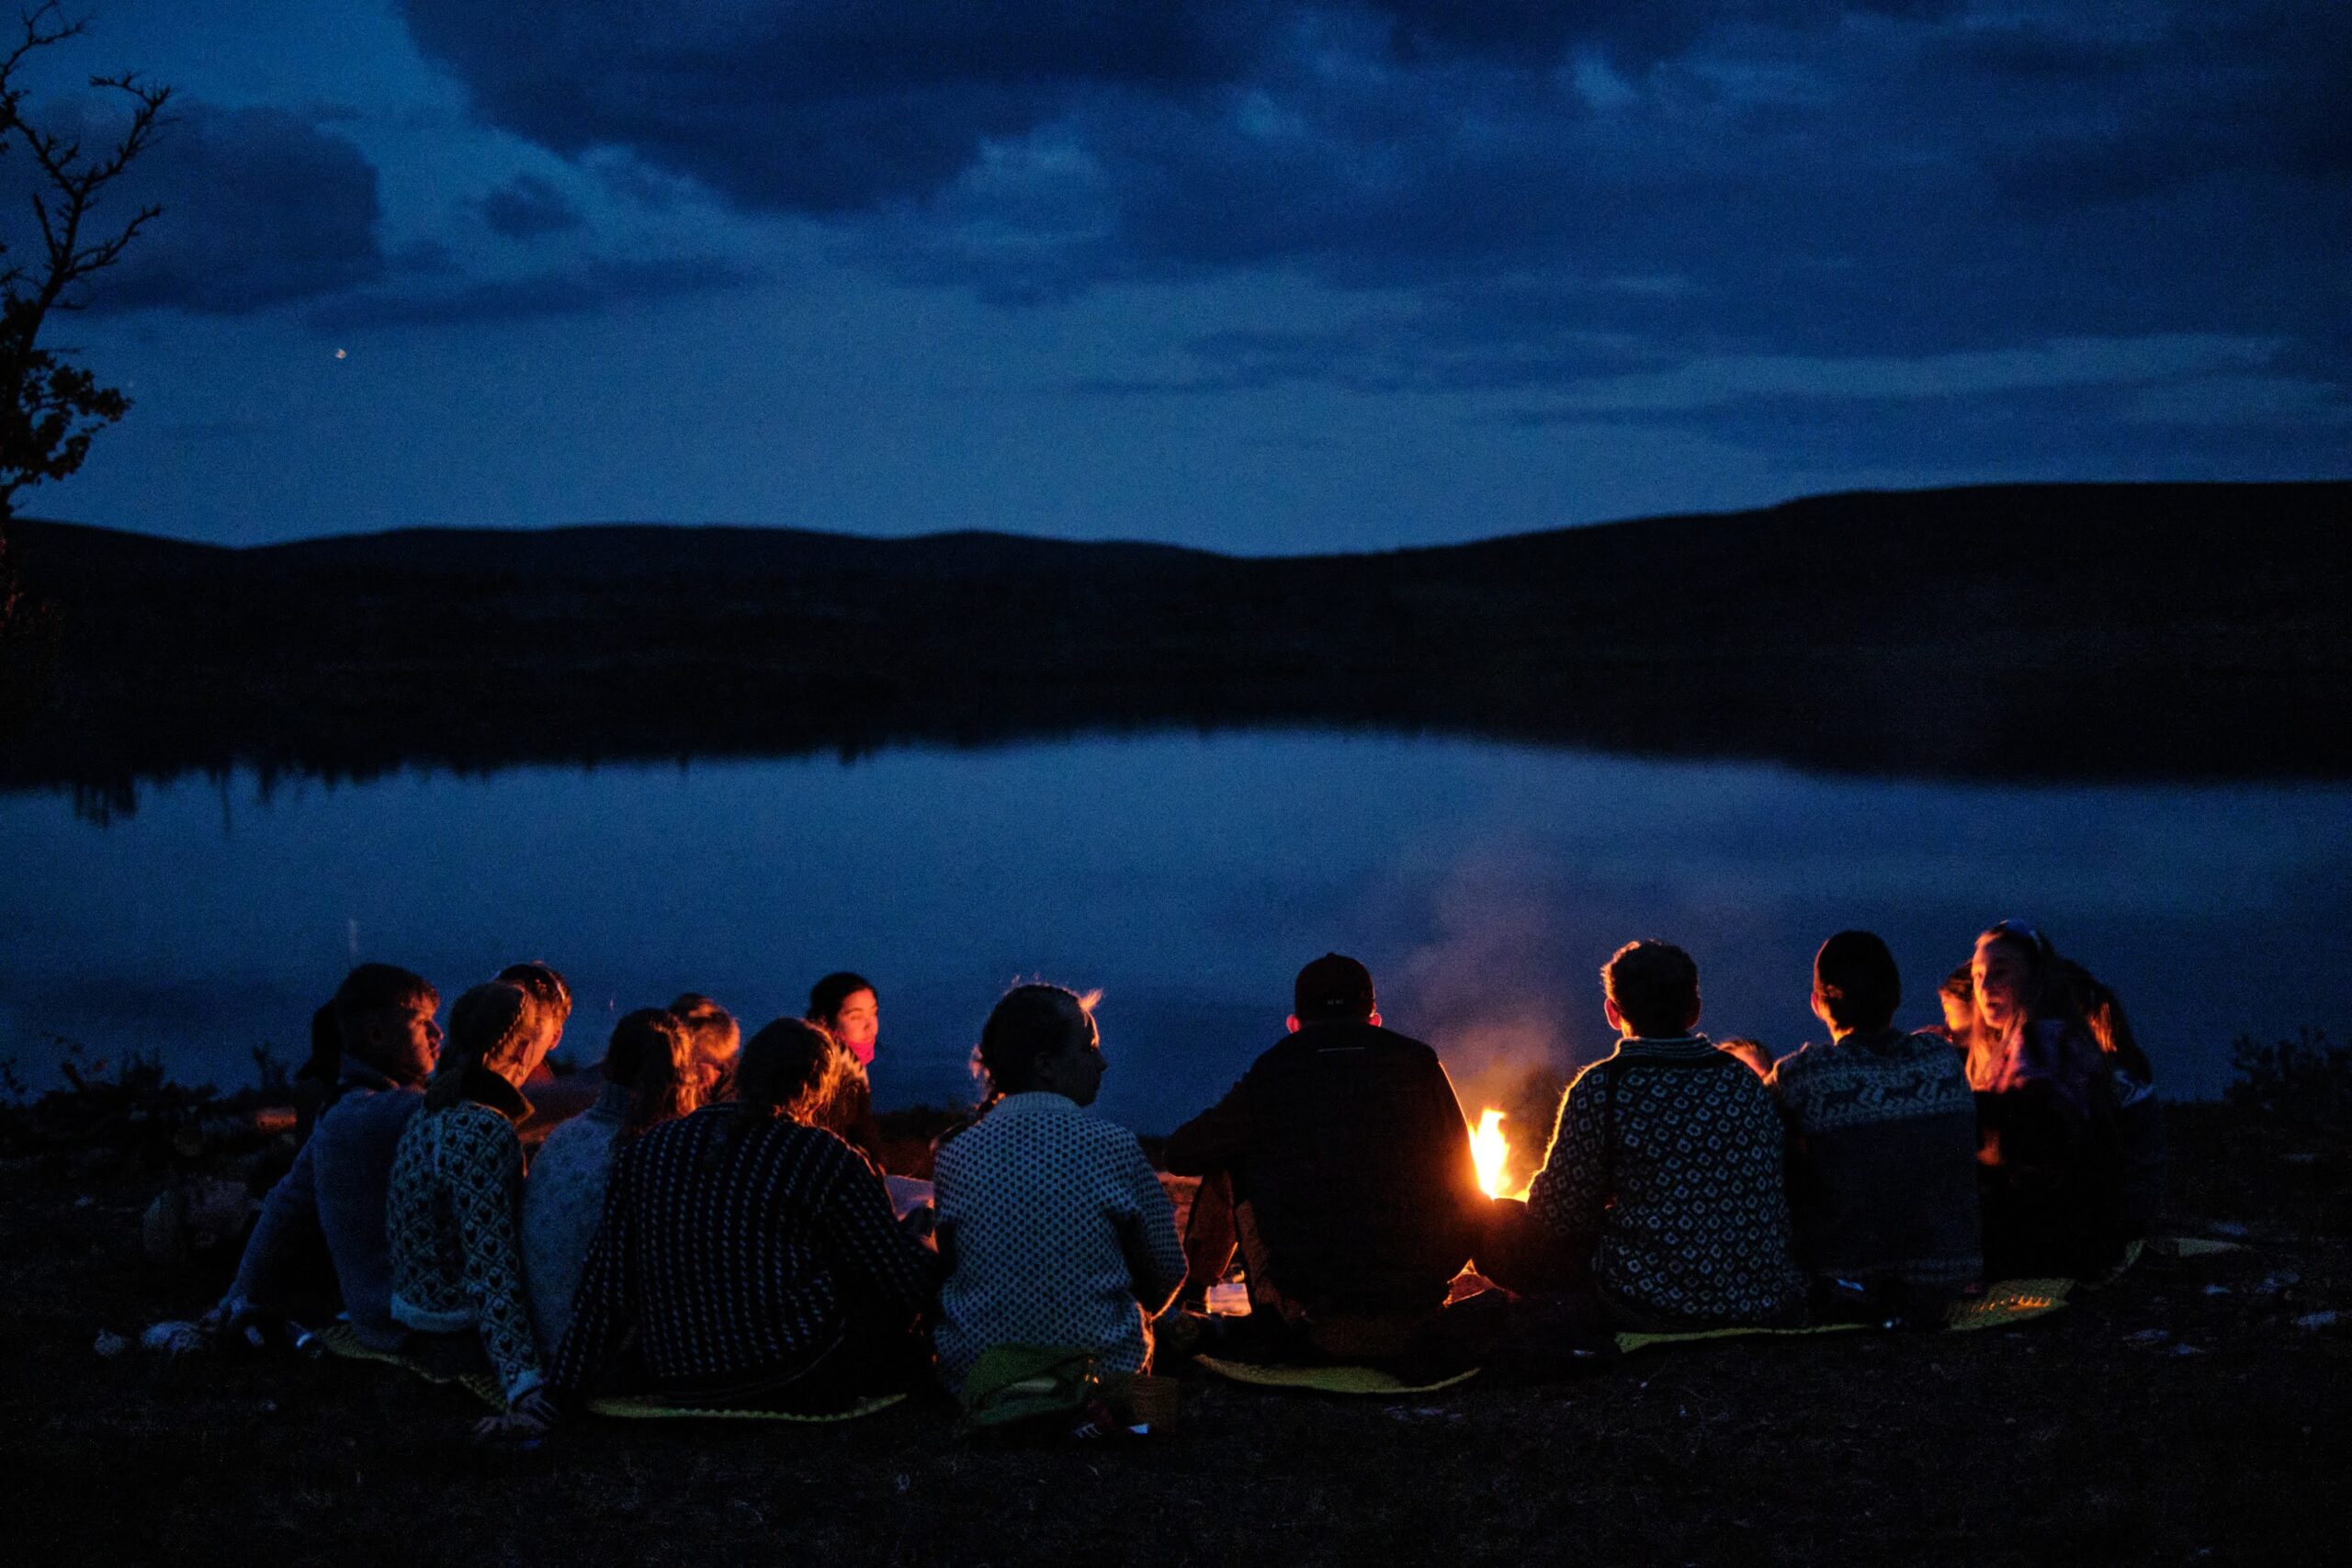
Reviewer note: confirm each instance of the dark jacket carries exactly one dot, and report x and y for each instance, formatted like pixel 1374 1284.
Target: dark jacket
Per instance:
pixel 1348 1153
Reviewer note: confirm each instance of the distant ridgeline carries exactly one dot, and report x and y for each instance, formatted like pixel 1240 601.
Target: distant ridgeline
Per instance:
pixel 2040 631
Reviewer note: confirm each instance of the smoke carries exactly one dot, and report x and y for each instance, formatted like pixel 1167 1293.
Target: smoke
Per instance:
pixel 1502 995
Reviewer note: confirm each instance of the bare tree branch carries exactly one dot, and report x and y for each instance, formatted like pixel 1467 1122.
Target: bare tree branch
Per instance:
pixel 50 407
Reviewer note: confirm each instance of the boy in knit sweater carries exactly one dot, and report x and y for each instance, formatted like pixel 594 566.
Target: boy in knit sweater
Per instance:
pixel 1663 1182
pixel 1882 1170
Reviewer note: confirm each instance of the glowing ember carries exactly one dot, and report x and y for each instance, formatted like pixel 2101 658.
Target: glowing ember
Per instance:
pixel 1491 1150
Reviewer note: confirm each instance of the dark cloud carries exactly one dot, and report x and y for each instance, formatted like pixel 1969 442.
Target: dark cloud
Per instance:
pixel 527 207
pixel 826 107
pixel 1564 190
pixel 577 289
pixel 260 207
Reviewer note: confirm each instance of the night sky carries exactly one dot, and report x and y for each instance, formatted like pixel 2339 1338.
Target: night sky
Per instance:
pixel 1249 273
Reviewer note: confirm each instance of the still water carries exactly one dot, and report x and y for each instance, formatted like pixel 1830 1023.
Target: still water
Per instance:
pixel 1188 877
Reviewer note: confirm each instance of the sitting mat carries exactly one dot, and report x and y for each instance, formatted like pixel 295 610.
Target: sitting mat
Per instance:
pixel 2191 1245
pixel 340 1341
pixel 2008 1301
pixel 2005 1301
pixel 649 1406
pixel 1325 1379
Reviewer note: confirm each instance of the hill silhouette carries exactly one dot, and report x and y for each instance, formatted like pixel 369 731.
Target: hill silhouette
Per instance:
pixel 2034 631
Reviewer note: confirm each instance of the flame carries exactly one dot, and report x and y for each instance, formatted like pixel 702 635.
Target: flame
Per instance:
pixel 1490 1149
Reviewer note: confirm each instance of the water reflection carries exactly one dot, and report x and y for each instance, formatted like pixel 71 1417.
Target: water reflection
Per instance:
pixel 1187 876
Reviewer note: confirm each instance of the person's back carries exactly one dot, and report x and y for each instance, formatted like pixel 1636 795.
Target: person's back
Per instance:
pixel 1350 1178
pixel 1883 1182
pixel 563 1203
pixel 1053 1228
pixel 649 1078
pixel 1882 1166
pixel 1359 1175
pixel 1667 1160
pixel 750 1256
pixel 351 1158
pixel 1665 1175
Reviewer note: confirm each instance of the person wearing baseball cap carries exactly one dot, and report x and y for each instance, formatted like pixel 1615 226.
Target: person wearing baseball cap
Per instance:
pixel 1340 1167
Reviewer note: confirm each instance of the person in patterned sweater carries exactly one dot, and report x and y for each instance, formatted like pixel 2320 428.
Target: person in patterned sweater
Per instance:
pixel 751 1259
pixel 1664 1181
pixel 455 1197
pixel 1882 1166
pixel 1053 1228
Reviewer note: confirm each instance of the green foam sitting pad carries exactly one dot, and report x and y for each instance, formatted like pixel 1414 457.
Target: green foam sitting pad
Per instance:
pixel 2006 1302
pixel 340 1341
pixel 2191 1245
pixel 1325 1379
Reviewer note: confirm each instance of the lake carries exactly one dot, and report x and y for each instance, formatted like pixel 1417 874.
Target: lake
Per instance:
pixel 1187 876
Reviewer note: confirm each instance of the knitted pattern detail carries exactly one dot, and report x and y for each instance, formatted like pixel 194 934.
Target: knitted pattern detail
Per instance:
pixel 1882 1176
pixel 457 1184
pixel 750 1263
pixel 1668 1158
pixel 1056 1232
pixel 1858 1083
pixel 563 1203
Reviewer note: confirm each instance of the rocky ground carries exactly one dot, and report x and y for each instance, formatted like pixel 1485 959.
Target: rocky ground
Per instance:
pixel 2194 1412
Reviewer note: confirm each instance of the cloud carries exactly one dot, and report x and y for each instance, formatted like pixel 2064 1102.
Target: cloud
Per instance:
pixel 260 208
pixel 578 289
pixel 527 207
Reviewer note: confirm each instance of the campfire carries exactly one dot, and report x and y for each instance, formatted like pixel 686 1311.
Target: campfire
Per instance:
pixel 1490 1148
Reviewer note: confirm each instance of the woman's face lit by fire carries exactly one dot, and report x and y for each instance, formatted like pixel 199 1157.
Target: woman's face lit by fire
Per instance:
pixel 858 1023
pixel 2003 977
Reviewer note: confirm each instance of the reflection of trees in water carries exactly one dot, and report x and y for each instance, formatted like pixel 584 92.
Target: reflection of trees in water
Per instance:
pixel 2090 632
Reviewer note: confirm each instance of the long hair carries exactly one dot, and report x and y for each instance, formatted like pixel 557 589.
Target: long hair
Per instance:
pixel 491 1030
pixel 789 1070
pixel 2047 994
pixel 369 989
pixel 716 1039
pixel 650 1054
pixel 2102 1013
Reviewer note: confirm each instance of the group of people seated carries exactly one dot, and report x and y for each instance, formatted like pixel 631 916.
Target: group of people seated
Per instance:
pixel 716 1228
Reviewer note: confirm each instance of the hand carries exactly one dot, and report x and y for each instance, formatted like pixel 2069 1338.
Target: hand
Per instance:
pixel 227 1314
pixel 526 1421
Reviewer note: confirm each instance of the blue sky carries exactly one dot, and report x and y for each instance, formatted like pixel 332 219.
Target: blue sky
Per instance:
pixel 1256 274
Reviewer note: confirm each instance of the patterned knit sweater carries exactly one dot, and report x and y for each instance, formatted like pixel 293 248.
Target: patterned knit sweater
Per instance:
pixel 1882 1175
pixel 456 1262
pixel 561 1205
pixel 1667 1162
pixel 741 1263
pixel 1056 1232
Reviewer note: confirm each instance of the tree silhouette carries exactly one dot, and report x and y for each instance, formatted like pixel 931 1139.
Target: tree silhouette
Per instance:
pixel 50 406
